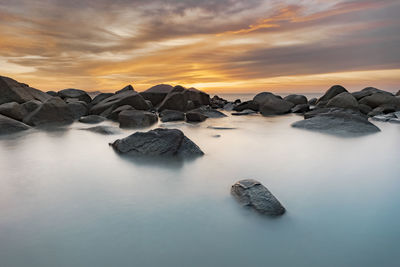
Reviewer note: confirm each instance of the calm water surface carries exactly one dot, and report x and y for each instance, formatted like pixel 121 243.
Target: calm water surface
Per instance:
pixel 66 199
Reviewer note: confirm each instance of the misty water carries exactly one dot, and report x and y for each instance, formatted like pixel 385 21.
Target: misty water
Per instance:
pixel 67 199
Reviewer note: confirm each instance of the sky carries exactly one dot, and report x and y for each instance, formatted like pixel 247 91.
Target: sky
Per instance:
pixel 214 45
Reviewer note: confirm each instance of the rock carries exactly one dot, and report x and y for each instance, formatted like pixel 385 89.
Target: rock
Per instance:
pixel 100 97
pixel 13 91
pixel 398 93
pixel 384 109
pixel 209 112
pixel 300 108
pixel 172 115
pixel 158 142
pixel 343 100
pixel 102 129
pixel 252 193
pixel 339 122
pixel 136 119
pixel 220 128
pixel 261 98
pixel 130 98
pixel 275 106
pixel 246 106
pixel 127 88
pixel 9 126
pixel 296 99
pixel 367 92
pixel 156 94
pixel 92 119
pixel 218 102
pixel 52 93
pixel 195 117
pixel 244 112
pixel 113 115
pixel 13 110
pixel 78 109
pixel 332 92
pixel 75 93
pixel 313 101
pixel 183 99
pixel 31 105
pixel 53 111
pixel 379 99
pixel 229 106
pixel 391 117
pixel 364 109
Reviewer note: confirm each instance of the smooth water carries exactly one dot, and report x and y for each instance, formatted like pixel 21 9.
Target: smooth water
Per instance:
pixel 67 199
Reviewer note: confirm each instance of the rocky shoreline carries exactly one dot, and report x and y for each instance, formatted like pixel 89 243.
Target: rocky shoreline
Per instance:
pixel 337 112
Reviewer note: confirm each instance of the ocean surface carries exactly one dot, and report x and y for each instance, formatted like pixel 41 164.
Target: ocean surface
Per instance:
pixel 67 199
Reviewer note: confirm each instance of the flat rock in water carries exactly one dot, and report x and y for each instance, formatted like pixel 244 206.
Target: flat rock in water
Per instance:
pixel 209 112
pixel 92 119
pixel 338 122
pixel 220 128
pixel 9 126
pixel 252 193
pixel 158 142
pixel 244 112
pixel 101 129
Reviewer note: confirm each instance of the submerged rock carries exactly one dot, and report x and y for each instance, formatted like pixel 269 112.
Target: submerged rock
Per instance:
pixel 252 193
pixel 9 126
pixel 158 142
pixel 92 119
pixel 339 122
pixel 102 129
pixel 209 112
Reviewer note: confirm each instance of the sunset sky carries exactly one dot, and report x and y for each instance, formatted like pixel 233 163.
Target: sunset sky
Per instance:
pixel 214 45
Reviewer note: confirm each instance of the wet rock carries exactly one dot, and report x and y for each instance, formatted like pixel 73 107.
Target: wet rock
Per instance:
pixel 53 111
pixel 156 94
pixel 13 110
pixel 158 142
pixel 229 106
pixel 398 93
pixel 92 119
pixel 75 93
pixel 343 100
pixel 52 93
pixel 78 109
pixel 10 126
pixel 384 109
pixel 130 98
pixel 221 128
pixel 296 99
pixel 172 115
pixel 195 117
pixel 102 129
pixel 252 193
pixel 338 122
pixel 136 119
pixel 300 108
pixel 13 91
pixel 332 92
pixel 183 99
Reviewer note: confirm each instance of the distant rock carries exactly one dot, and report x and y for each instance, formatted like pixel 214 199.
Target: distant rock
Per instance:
pixel 13 91
pixel 218 102
pixel 75 93
pixel 9 126
pixel 13 110
pixel 252 193
pixel 92 119
pixel 343 100
pixel 136 119
pixel 192 116
pixel 296 99
pixel 158 142
pixel 53 111
pixel 127 88
pixel 78 109
pixel 261 98
pixel 130 98
pixel 172 115
pixel 229 106
pixel 332 92
pixel 338 122
pixel 52 93
pixel 398 93
pixel 102 129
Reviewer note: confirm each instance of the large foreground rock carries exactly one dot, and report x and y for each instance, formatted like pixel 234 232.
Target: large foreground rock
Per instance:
pixel 337 122
pixel 9 126
pixel 252 193
pixel 53 111
pixel 136 119
pixel 13 91
pixel 158 142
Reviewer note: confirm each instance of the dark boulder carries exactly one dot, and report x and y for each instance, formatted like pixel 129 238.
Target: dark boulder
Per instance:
pixel 183 99
pixel 102 129
pixel 398 93
pixel 247 105
pixel 296 99
pixel 384 109
pixel 338 122
pixel 78 109
pixel 158 142
pixel 300 108
pixel 313 101
pixel 13 110
pixel 13 91
pixel 100 97
pixel 113 115
pixel 275 106
pixel 343 100
pixel 378 99
pixel 156 94
pixel 136 119
pixel 92 119
pixel 332 92
pixel 364 109
pixel 209 112
pixel 53 111
pixel 218 102
pixel 75 93
pixel 367 92
pixel 31 105
pixel 192 116
pixel 9 126
pixel 52 93
pixel 261 98
pixel 172 115
pixel 130 98
pixel 253 194
pixel 127 88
